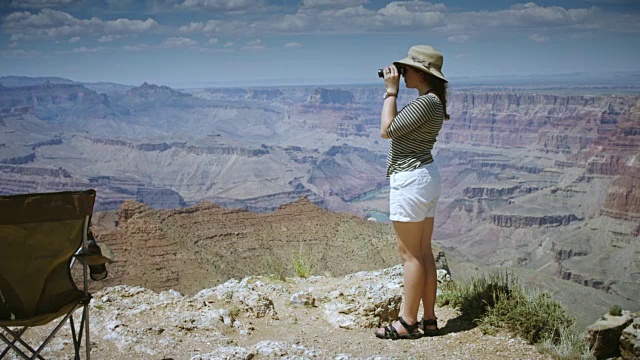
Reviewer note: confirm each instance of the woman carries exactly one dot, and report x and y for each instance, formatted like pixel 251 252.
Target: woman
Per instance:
pixel 414 182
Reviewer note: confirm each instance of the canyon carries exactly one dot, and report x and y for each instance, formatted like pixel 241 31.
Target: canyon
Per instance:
pixel 540 180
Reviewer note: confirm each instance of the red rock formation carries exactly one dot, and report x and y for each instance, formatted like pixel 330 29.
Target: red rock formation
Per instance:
pixel 192 248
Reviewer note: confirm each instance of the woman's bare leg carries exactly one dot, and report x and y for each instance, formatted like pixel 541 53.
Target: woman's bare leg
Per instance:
pixel 431 277
pixel 409 236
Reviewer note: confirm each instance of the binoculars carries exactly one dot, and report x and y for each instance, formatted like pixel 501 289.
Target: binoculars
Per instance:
pixel 400 71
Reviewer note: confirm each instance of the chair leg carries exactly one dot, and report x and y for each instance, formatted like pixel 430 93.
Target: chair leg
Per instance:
pixel 54 332
pixel 19 333
pixel 85 315
pixel 76 341
pixel 77 338
pixel 17 338
pixel 15 348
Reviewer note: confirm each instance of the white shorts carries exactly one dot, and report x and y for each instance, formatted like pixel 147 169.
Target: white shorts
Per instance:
pixel 414 194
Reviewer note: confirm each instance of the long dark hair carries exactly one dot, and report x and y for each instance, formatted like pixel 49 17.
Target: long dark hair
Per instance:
pixel 439 87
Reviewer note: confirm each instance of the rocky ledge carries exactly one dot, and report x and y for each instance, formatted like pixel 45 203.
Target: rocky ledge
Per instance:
pixel 525 221
pixel 262 318
pixel 600 284
pixel 497 191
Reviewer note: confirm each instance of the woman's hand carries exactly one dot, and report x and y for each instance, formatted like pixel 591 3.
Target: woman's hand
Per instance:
pixel 389 108
pixel 391 79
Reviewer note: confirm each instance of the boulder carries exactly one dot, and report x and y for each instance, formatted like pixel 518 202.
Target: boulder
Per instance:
pixel 603 336
pixel 302 299
pixel 247 294
pixel 281 349
pixel 443 276
pixel 630 340
pixel 371 299
pixel 226 352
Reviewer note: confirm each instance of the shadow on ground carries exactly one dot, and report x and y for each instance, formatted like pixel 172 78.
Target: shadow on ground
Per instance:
pixel 457 324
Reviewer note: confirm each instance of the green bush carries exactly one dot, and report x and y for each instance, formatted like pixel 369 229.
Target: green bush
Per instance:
pixel 615 310
pixel 475 297
pixel 302 264
pixel 533 318
pixel 499 301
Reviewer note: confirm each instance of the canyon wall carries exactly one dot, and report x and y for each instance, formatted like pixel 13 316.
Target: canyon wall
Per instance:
pixel 530 179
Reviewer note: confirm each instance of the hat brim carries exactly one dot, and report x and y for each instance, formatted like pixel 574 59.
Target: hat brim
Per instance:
pixel 431 70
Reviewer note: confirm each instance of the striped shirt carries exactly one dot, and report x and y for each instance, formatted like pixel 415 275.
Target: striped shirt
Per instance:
pixel 413 133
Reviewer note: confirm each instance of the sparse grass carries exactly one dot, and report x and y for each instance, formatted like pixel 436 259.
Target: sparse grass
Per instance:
pixel 475 297
pixel 302 263
pixel 533 318
pixel 616 310
pixel 275 268
pixel 570 345
pixel 234 312
pixel 499 301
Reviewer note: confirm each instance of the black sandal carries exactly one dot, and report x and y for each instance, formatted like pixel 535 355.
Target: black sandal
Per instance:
pixel 390 332
pixel 429 322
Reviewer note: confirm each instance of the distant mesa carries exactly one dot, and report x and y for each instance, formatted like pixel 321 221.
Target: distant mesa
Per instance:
pixel 17 81
pixel 331 96
pixel 150 90
pixel 49 94
pixel 266 94
pixel 19 110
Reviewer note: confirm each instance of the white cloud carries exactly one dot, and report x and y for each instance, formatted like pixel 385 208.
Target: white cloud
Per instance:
pixel 529 15
pixel 122 26
pixel 108 38
pixel 138 48
pixel 168 43
pixel 42 3
pixel 54 24
pixel 179 42
pixel 332 3
pixel 293 45
pixel 620 2
pixel 254 45
pixel 458 38
pixel 20 53
pixel 538 38
pixel 74 39
pixel 398 8
pixel 222 5
pixel 329 17
pixel 214 28
pixel 417 16
pixel 228 44
pixel 413 14
pixel 194 26
pixel 339 16
pixel 85 50
pixel 341 20
pixel 118 4
pixel 531 18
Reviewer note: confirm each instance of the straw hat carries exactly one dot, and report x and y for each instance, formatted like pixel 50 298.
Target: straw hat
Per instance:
pixel 425 58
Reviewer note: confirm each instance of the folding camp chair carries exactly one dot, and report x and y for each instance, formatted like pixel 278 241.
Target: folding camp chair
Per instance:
pixel 40 237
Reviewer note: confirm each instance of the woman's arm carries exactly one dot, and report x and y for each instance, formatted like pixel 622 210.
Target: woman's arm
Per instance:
pixel 389 108
pixel 424 110
pixel 389 112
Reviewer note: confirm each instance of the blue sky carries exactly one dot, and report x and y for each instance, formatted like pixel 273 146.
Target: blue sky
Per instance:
pixel 243 42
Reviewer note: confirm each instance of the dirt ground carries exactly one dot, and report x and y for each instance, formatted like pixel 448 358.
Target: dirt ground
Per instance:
pixel 294 333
